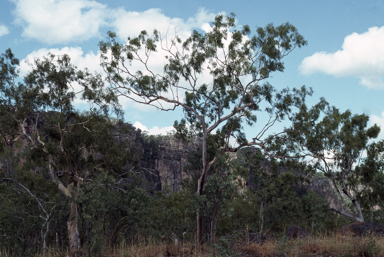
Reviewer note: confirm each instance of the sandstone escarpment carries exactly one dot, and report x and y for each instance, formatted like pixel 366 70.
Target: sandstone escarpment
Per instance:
pixel 167 157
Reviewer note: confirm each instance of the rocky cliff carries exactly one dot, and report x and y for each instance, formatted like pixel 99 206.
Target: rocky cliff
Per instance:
pixel 166 158
pixel 161 161
pixel 324 187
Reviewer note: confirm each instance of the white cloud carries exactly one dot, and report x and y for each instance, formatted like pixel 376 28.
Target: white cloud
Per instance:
pixel 155 130
pixel 63 21
pixel 130 24
pixel 78 59
pixel 380 122
pixel 60 21
pixel 89 60
pixel 126 24
pixel 362 56
pixel 3 30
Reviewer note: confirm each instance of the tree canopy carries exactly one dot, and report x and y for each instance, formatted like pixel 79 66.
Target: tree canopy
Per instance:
pixel 235 65
pixel 336 142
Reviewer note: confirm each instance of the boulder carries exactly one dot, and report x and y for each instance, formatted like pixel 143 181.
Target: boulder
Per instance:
pixel 296 232
pixel 362 229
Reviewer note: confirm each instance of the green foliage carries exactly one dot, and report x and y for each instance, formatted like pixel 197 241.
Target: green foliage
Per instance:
pixel 223 248
pixel 219 189
pixel 111 212
pixel 22 216
pixel 370 174
pixel 172 216
pixel 61 140
pixel 277 196
pixel 229 55
pixel 284 247
pixel 337 141
pixel 316 217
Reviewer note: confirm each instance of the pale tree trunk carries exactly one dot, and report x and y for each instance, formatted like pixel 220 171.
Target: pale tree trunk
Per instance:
pixel 359 217
pixel 200 186
pixel 73 230
pixel 72 224
pixel 48 222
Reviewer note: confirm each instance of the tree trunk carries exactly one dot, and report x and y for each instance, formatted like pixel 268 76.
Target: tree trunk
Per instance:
pixel 359 217
pixel 261 222
pixel 200 186
pixel 73 230
pixel 214 223
pixel 45 247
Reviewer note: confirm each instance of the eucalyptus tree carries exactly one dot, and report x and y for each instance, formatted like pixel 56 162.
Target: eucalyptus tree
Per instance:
pixel 219 78
pixel 334 143
pixel 370 175
pixel 40 113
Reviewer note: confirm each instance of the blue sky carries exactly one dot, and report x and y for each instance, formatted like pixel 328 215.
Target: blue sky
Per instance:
pixel 343 61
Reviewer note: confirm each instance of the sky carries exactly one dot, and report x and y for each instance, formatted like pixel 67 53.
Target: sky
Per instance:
pixel 343 61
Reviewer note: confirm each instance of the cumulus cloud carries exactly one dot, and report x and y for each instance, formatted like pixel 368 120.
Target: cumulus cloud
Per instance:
pixel 3 30
pixel 60 21
pixel 155 130
pixel 78 59
pixel 379 120
pixel 63 21
pixel 125 23
pixel 89 60
pixel 362 56
pixel 130 24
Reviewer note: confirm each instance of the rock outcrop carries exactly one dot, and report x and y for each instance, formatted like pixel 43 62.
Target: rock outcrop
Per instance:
pixel 323 187
pixel 167 157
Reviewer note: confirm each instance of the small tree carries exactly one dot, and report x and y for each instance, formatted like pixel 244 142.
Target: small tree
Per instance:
pixel 278 187
pixel 237 64
pixel 370 175
pixel 336 143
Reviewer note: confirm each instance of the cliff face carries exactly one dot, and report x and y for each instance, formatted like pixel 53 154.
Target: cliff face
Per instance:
pixel 167 158
pixel 325 189
pixel 161 161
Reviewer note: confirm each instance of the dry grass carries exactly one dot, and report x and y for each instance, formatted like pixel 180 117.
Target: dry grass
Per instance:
pixel 186 250
pixel 324 246
pixel 321 246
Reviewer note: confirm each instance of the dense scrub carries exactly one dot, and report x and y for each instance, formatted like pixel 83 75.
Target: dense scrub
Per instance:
pixel 115 209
